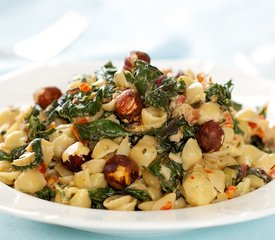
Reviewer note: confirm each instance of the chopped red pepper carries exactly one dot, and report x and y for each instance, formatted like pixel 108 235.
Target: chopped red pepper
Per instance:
pixel 252 125
pixel 85 87
pixel 228 120
pixel 42 168
pixel 230 190
pixel 76 134
pixel 209 171
pixel 167 206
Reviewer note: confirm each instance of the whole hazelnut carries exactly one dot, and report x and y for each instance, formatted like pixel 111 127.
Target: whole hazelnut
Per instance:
pixel 120 171
pixel 45 96
pixel 210 136
pixel 129 61
pixel 74 156
pixel 128 105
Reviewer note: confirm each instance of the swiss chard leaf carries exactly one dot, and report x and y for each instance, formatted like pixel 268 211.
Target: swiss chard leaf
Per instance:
pixel 176 174
pixel 46 193
pixel 98 196
pixel 80 105
pixel 236 106
pixel 220 93
pixel 107 72
pixel 17 152
pixel 99 129
pixel 259 173
pixel 139 194
pixel 244 170
pixel 37 149
pixel 169 128
pixel 160 91
pixel 236 128
pixel 144 74
pixel 36 127
pixel 5 156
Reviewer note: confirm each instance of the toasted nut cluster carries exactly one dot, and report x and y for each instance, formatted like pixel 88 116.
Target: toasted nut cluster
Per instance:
pixel 128 106
pixel 120 171
pixel 135 55
pixel 210 136
pixel 74 156
pixel 45 96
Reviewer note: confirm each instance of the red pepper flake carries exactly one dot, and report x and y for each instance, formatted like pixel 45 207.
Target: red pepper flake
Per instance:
pixel 42 168
pixel 167 206
pixel 85 87
pixel 192 177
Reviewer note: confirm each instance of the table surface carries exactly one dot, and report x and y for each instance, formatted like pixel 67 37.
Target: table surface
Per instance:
pixel 224 32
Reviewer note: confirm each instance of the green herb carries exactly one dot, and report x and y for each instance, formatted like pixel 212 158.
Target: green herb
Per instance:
pixel 46 193
pixel 80 104
pixel 144 74
pixel 17 152
pixel 139 194
pixel 263 110
pixel 5 156
pixel 37 149
pixel 176 175
pixel 236 128
pixel 220 93
pixel 244 170
pixel 169 128
pixel 236 106
pixel 99 129
pixel 36 127
pixel 160 91
pixel 107 72
pixel 98 196
pixel 129 77
pixel 51 111
pixel 259 173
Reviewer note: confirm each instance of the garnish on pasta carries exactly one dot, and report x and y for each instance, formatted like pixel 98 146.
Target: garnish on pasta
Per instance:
pixel 136 138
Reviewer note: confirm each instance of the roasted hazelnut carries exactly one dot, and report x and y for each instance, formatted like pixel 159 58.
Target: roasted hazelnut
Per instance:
pixel 210 136
pixel 120 171
pixel 45 96
pixel 74 156
pixel 128 106
pixel 135 55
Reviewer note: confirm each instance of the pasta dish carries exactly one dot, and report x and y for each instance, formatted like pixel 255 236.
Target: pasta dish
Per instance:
pixel 136 138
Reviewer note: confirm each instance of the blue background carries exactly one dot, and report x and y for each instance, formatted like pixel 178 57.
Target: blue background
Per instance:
pixel 216 31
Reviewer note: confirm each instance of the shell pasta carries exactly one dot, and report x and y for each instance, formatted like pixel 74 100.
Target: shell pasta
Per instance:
pixel 136 138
